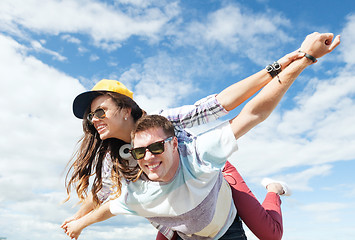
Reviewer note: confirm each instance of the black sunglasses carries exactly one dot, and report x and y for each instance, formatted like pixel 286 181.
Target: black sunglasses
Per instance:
pixel 154 148
pixel 98 113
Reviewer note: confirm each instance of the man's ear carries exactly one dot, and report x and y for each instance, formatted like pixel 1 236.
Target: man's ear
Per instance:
pixel 175 143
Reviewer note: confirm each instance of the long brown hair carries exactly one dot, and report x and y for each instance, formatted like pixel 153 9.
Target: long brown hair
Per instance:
pixel 88 159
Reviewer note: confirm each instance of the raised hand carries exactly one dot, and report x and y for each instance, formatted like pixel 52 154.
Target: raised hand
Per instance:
pixel 319 44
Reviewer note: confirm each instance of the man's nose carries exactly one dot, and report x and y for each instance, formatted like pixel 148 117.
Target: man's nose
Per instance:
pixel 148 155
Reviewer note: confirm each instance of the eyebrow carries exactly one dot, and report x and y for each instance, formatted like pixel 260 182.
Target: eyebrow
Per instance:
pixel 100 106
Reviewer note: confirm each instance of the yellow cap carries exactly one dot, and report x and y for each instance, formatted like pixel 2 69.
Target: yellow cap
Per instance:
pixel 112 86
pixel 83 100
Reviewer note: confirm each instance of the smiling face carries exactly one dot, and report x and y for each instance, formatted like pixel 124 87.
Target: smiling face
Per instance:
pixel 113 125
pixel 160 167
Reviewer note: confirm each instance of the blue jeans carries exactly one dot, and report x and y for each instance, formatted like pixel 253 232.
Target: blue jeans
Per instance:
pixel 234 232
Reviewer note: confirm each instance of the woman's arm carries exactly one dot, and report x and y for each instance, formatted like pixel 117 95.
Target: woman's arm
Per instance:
pixel 236 94
pixel 86 207
pixel 261 106
pixel 74 228
pixel 215 106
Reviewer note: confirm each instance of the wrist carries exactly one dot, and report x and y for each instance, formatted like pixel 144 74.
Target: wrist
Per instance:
pixel 83 222
pixel 309 57
pixel 306 61
pixel 301 63
pixel 79 215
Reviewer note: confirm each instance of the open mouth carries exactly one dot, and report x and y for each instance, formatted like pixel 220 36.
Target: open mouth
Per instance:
pixel 100 128
pixel 153 167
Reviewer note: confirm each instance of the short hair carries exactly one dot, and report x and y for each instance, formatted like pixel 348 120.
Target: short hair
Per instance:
pixel 153 121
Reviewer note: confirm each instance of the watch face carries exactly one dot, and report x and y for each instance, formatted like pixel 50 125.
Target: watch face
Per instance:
pixel 269 68
pixel 277 66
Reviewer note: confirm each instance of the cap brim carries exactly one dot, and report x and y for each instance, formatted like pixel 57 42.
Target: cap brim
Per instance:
pixel 82 102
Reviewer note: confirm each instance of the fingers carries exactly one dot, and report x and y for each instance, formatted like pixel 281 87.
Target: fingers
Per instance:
pixel 67 221
pixel 335 43
pixel 294 55
pixel 72 235
pixel 328 40
pixel 287 59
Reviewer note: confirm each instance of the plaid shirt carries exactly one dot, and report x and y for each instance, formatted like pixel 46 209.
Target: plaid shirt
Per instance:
pixel 203 111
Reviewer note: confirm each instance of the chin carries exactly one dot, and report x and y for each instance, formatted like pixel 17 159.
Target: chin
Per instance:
pixel 104 136
pixel 153 177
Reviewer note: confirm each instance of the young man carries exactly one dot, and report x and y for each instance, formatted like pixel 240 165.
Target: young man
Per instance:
pixel 186 190
pixel 172 180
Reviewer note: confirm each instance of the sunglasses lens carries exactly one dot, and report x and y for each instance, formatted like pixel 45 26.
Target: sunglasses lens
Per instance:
pixel 90 116
pixel 138 153
pixel 156 148
pixel 100 113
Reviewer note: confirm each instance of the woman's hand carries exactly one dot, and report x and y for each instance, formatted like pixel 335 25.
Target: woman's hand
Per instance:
pixel 73 228
pixel 68 220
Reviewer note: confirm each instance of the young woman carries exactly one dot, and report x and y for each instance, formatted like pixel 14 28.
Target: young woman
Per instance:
pixel 110 113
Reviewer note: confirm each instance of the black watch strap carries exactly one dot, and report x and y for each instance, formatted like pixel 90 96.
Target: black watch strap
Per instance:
pixel 310 57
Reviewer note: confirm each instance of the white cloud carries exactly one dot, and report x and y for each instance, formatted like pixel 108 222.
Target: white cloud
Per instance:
pixel 139 3
pixel 230 24
pixel 41 134
pixel 94 58
pixel 348 38
pixel 325 212
pixel 160 82
pixel 71 39
pixel 300 180
pixel 82 50
pixel 141 231
pixel 107 25
pixel 37 46
pixel 321 100
pixel 315 131
pixel 346 189
pixel 239 30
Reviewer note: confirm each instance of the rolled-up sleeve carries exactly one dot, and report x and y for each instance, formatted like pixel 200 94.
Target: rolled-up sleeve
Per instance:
pixel 203 111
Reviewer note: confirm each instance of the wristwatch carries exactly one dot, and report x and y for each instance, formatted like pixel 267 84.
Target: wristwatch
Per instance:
pixel 273 69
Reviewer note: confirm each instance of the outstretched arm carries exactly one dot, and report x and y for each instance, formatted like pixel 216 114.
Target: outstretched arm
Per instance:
pixel 213 107
pixel 236 94
pixel 261 106
pixel 86 207
pixel 74 228
pixel 89 204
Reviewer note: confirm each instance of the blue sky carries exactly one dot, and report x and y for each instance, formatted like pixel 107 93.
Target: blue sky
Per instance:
pixel 172 53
